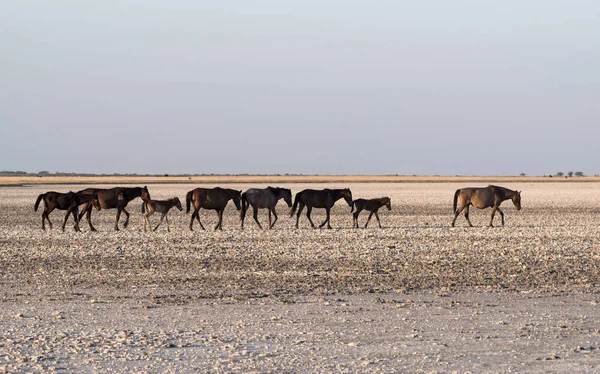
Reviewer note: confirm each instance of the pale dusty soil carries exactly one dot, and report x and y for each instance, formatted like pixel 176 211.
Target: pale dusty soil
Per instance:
pixel 414 296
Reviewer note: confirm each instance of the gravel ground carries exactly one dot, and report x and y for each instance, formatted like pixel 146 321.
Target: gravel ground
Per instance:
pixel 416 295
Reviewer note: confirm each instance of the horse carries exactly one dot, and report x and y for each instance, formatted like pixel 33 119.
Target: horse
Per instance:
pixel 111 198
pixel 69 201
pixel 484 197
pixel 372 206
pixel 160 206
pixel 264 198
pixel 211 199
pixel 319 199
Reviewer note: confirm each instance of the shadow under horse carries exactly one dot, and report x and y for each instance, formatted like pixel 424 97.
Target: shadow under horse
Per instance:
pixel 319 199
pixel 264 198
pixel 69 201
pixel 113 198
pixel 211 199
pixel 484 197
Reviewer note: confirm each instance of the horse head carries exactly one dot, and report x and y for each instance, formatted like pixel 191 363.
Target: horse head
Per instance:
pixel 286 193
pixel 145 194
pixel 237 196
pixel 516 199
pixel 347 195
pixel 388 203
pixel 177 203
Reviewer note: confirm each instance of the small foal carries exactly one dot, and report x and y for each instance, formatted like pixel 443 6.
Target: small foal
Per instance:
pixel 160 206
pixel 372 206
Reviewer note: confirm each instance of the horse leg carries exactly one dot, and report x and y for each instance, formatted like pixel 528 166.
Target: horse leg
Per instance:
pixel 146 218
pixel 274 215
pixel 326 219
pixel 270 221
pixel 220 223
pixel 461 207
pixel 378 221
pixel 308 211
pixel 355 215
pixel 48 211
pixel 117 219
pixel 44 220
pixel 501 215
pixel 299 212
pixel 255 216
pixel 82 212
pixel 198 218
pixel 192 220
pixel 493 214
pixel 160 222
pixel 88 216
pixel 467 215
pixel 74 212
pixel 168 226
pixel 66 219
pixel 126 218
pixel 368 219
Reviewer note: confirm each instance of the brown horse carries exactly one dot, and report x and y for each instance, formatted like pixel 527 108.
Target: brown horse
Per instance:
pixel 372 206
pixel 211 199
pixel 264 198
pixel 111 198
pixel 484 197
pixel 69 201
pixel 319 199
pixel 160 206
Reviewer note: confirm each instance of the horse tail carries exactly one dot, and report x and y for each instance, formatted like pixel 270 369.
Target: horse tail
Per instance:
pixel 296 202
pixel 244 206
pixel 37 202
pixel 456 199
pixel 188 200
pixel 352 206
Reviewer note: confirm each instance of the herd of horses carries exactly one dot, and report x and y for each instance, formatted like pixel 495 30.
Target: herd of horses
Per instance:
pixel 83 202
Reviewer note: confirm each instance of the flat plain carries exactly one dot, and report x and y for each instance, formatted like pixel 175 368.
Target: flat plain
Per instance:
pixel 417 295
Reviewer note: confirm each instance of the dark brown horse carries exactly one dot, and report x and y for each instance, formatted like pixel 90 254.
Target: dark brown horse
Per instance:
pixel 484 197
pixel 264 198
pixel 160 206
pixel 69 201
pixel 111 198
pixel 319 199
pixel 372 206
pixel 211 199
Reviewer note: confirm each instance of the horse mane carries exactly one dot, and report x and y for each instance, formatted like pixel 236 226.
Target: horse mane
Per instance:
pixel 503 190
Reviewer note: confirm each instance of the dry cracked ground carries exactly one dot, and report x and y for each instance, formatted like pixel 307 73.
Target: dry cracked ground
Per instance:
pixel 415 296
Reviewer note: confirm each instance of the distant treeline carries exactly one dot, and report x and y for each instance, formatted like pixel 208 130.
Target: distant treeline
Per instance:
pixel 19 173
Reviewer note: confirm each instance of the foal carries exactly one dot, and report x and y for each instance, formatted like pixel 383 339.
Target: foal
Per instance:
pixel 160 206
pixel 372 206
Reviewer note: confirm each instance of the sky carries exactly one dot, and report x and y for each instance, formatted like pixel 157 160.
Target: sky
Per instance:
pixel 300 87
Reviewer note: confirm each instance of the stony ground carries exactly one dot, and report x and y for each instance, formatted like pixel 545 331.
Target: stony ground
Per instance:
pixel 416 295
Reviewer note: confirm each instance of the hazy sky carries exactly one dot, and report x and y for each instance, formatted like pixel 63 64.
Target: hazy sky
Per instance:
pixel 316 87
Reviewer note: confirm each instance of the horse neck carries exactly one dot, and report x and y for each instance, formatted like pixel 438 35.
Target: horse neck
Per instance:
pixel 230 193
pixel 505 193
pixel 337 194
